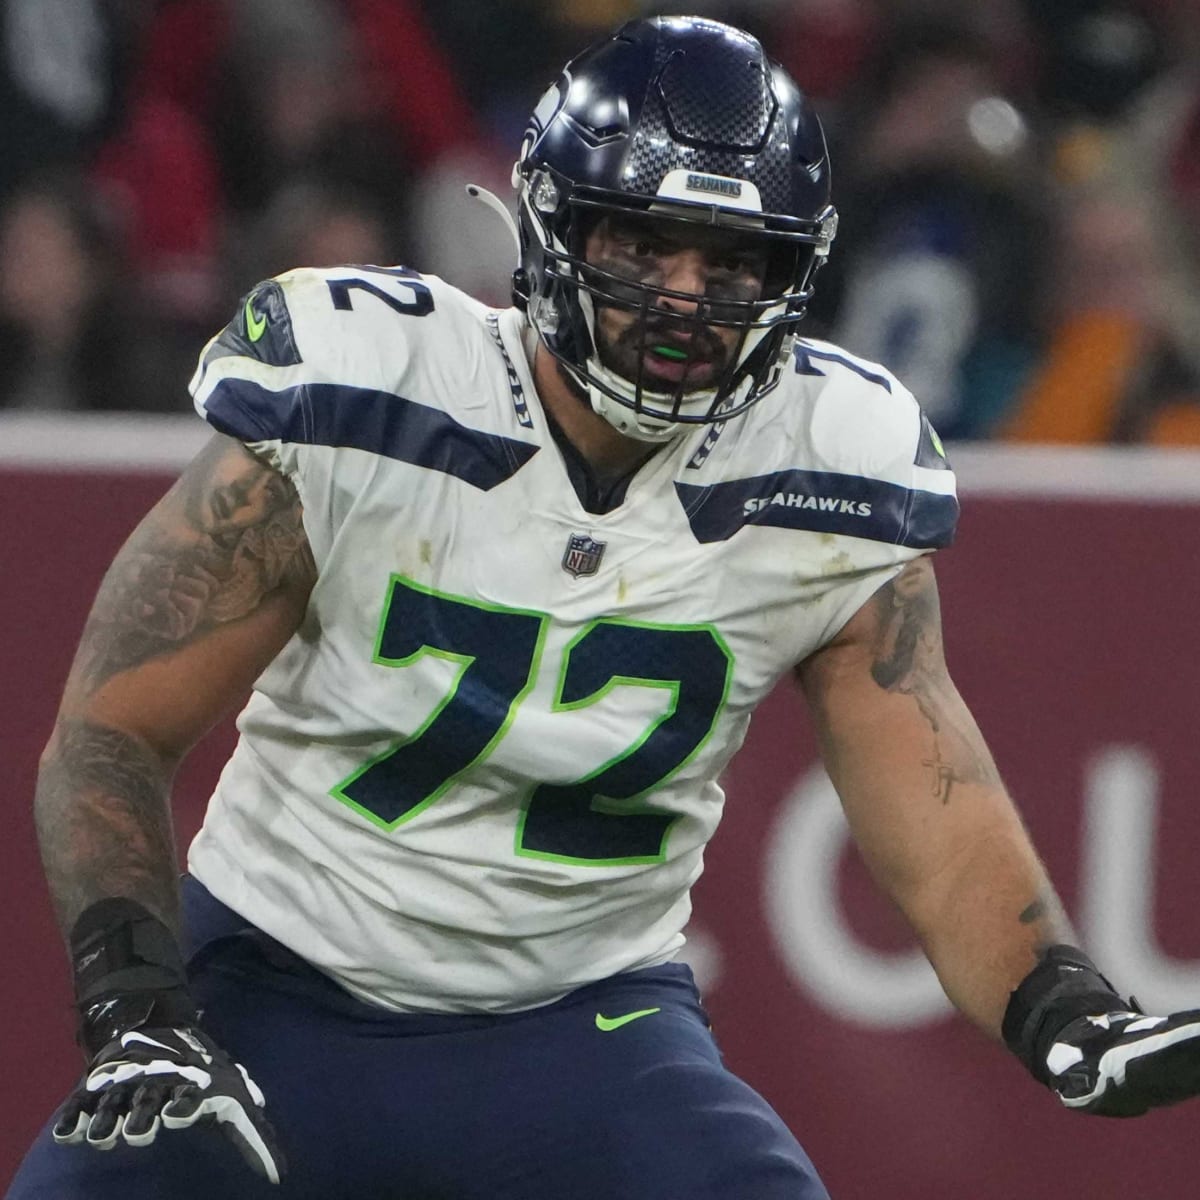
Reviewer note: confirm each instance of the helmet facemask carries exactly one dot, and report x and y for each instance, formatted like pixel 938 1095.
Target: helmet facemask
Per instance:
pixel 703 377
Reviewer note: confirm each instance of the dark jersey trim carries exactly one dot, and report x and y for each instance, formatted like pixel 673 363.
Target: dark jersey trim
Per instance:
pixel 327 414
pixel 930 451
pixel 821 502
pixel 804 355
pixel 261 330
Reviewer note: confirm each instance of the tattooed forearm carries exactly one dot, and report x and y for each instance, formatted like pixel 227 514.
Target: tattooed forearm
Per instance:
pixel 908 660
pixel 103 822
pixel 235 536
pixel 224 550
pixel 1048 921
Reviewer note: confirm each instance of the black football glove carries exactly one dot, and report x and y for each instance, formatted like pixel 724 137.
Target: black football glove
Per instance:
pixel 151 1078
pixel 1120 1064
pixel 150 1067
pixel 1098 1052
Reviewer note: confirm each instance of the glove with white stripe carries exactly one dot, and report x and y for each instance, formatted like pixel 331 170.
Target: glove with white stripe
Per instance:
pixel 150 1067
pixel 1098 1052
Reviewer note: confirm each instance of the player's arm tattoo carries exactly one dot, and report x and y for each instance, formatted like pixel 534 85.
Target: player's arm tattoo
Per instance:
pixel 102 813
pixel 907 659
pixel 233 536
pixel 1047 921
pixel 223 541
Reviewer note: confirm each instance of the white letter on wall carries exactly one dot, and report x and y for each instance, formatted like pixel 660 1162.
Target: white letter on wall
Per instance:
pixel 820 951
pixel 1117 881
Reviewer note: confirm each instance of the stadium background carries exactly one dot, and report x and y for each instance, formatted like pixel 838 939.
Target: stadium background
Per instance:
pixel 1021 199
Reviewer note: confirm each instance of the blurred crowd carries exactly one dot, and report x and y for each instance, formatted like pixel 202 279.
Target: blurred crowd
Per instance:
pixel 1019 184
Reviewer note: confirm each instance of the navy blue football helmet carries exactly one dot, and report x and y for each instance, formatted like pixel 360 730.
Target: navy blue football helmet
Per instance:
pixel 686 120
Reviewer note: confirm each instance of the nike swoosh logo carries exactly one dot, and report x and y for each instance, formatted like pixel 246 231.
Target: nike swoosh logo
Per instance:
pixel 127 1039
pixel 256 326
pixel 102 1010
pixel 88 959
pixel 608 1024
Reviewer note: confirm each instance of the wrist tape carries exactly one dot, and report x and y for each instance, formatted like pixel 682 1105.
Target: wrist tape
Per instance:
pixel 1064 986
pixel 128 970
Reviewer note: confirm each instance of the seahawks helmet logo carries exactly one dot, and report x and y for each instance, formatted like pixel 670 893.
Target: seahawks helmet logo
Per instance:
pixel 714 183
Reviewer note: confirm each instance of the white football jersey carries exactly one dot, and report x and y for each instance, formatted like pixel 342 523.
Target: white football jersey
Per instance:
pixel 483 771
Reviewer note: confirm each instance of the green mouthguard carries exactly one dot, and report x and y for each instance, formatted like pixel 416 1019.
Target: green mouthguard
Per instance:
pixel 670 352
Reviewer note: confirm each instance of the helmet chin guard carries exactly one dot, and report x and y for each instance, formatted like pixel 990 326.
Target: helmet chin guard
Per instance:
pixel 684 121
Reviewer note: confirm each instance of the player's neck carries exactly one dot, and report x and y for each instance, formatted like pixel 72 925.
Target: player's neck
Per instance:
pixel 607 451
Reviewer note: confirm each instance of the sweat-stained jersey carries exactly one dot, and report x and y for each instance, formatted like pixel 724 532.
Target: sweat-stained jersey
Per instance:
pixel 483 771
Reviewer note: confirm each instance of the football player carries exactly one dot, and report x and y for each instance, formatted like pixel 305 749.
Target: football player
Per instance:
pixel 508 586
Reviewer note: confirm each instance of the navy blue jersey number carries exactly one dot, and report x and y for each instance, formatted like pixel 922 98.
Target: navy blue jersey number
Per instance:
pixel 495 653
pixel 597 820
pixel 409 296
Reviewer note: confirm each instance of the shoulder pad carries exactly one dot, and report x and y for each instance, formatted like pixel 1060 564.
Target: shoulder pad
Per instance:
pixel 290 335
pixel 844 448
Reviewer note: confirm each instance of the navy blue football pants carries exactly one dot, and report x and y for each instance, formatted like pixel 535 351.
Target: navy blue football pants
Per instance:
pixel 372 1105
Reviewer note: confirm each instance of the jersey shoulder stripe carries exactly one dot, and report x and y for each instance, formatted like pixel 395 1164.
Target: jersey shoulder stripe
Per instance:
pixel 841 447
pixel 821 502
pixel 379 359
pixel 329 414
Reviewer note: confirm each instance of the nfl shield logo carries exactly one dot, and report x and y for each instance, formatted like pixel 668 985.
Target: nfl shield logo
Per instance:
pixel 583 554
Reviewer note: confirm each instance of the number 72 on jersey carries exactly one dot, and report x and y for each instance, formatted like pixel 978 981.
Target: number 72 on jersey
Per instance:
pixel 599 820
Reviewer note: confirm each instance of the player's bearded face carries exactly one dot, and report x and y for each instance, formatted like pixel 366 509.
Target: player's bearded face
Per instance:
pixel 666 346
